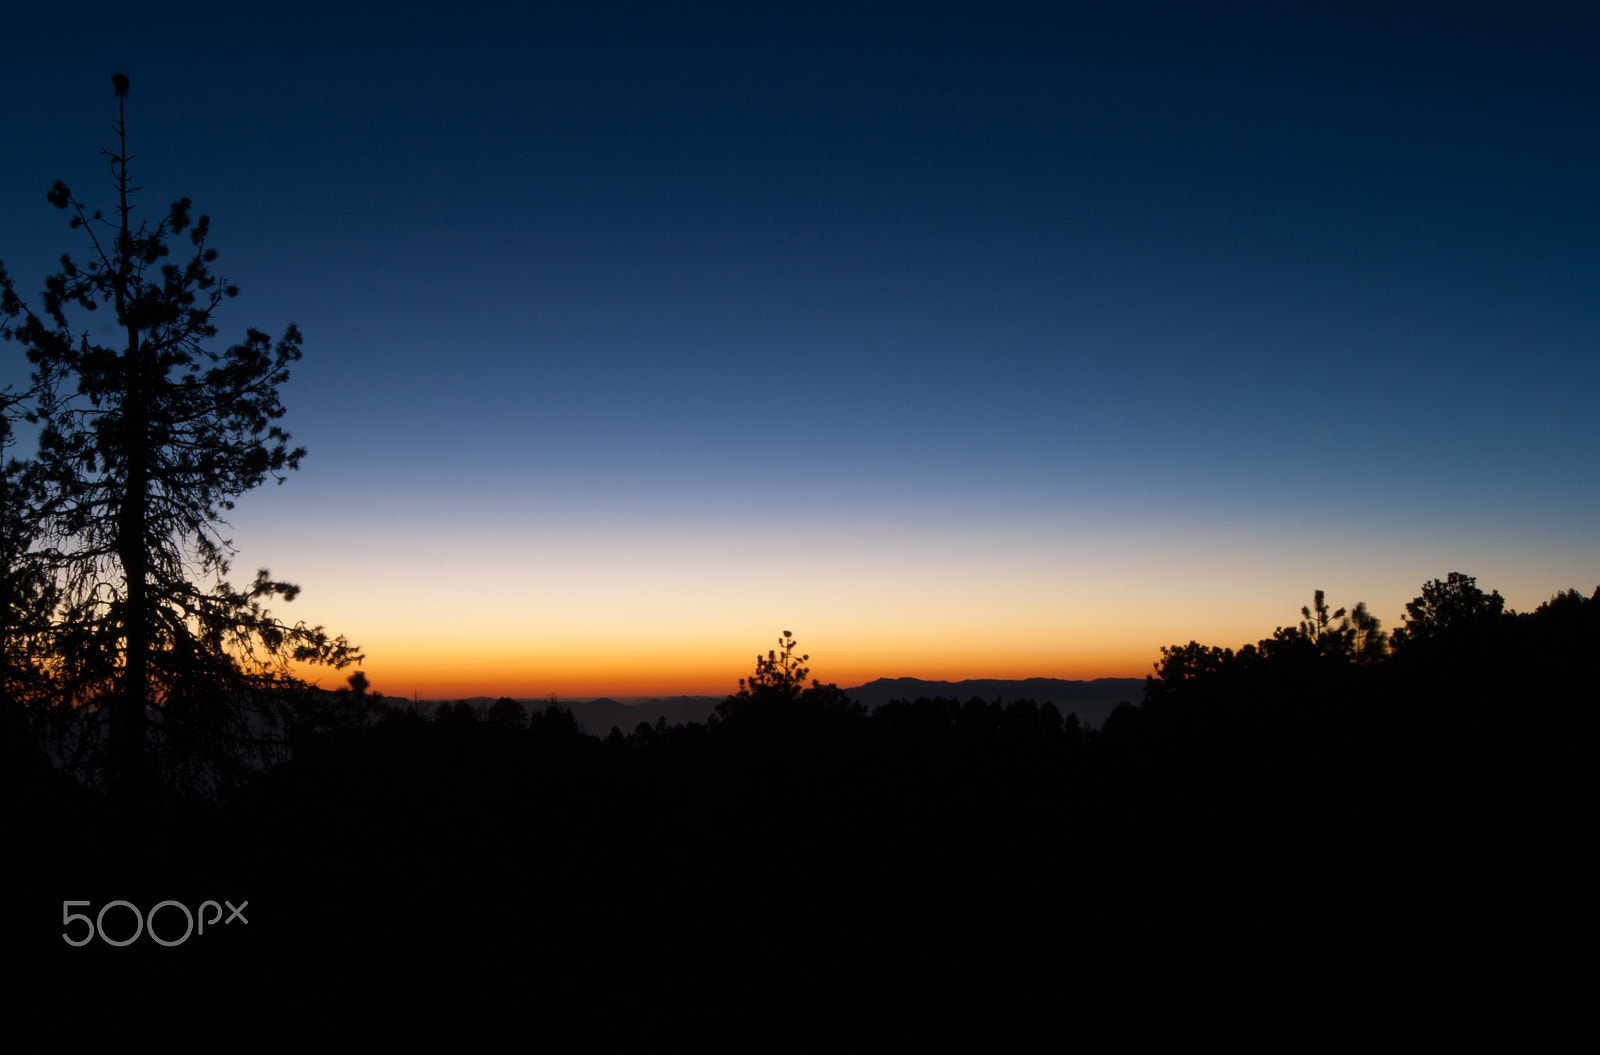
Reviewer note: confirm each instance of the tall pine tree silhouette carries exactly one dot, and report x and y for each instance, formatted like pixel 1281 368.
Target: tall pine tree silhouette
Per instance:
pixel 144 444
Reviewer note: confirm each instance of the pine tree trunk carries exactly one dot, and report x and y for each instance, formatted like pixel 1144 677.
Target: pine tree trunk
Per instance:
pixel 129 732
pixel 134 775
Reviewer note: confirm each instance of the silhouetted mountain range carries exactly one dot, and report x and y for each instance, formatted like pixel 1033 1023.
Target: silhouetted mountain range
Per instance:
pixel 1091 701
pixel 599 716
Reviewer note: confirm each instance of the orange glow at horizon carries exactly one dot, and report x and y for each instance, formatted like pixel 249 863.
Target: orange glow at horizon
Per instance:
pixel 584 673
pixel 668 609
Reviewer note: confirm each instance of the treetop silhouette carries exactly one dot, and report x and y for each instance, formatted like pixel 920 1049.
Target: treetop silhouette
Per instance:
pixel 781 672
pixel 1450 610
pixel 779 683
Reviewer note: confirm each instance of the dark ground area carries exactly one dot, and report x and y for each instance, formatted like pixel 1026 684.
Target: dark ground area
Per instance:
pixel 1278 812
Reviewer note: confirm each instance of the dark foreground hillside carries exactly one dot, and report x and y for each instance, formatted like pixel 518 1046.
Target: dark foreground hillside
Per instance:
pixel 1283 805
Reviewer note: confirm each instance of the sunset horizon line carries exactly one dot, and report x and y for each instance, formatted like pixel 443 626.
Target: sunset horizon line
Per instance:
pixel 423 693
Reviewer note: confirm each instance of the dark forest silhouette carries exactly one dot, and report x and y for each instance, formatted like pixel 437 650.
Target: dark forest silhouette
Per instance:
pixel 1247 778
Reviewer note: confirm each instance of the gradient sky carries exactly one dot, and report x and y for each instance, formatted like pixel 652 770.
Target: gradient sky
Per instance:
pixel 963 340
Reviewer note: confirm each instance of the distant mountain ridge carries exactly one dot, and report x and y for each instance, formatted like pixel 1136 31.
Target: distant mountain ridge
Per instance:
pixel 1091 701
pixel 599 716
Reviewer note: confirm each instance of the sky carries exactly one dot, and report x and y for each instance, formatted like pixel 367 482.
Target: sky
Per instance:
pixel 961 339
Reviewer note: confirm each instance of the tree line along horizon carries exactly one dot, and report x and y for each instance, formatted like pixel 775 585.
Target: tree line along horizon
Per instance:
pixel 128 648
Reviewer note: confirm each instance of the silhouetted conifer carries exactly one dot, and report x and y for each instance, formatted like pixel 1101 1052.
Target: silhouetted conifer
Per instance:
pixel 144 445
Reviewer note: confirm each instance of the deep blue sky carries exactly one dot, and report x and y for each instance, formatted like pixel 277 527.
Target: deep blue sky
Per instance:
pixel 961 340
